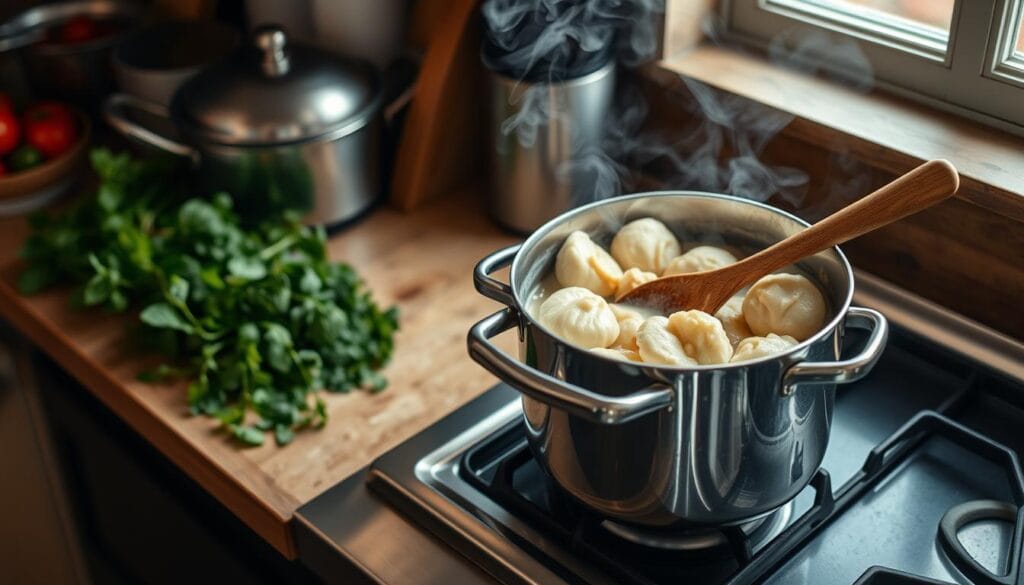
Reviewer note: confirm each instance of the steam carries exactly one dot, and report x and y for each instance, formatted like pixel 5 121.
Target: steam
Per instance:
pixel 549 41
pixel 723 152
pixel 533 113
pixel 554 40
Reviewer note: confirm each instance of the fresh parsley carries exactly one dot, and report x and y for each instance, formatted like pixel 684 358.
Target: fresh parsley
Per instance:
pixel 255 316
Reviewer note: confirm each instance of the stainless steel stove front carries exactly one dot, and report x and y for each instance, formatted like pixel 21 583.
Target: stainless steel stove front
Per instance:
pixel 434 493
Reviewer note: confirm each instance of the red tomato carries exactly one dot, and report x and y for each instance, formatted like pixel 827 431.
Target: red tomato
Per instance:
pixel 78 30
pixel 6 105
pixel 10 131
pixel 50 128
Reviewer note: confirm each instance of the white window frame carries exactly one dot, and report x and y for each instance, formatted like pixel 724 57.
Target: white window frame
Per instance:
pixel 1004 64
pixel 976 74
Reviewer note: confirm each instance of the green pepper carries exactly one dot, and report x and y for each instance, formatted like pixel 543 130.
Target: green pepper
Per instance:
pixel 25 157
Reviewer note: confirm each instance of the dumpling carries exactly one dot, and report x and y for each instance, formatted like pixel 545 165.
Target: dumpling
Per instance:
pixel 631 279
pixel 784 304
pixel 645 244
pixel 756 347
pixel 658 345
pixel 629 323
pixel 580 317
pixel 699 259
pixel 702 336
pixel 731 316
pixel 628 328
pixel 623 312
pixel 581 262
pixel 618 353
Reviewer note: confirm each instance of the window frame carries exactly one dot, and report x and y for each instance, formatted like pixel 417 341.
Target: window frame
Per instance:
pixel 1004 63
pixel 973 77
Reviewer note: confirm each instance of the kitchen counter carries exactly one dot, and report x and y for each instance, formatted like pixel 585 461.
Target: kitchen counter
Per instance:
pixel 422 261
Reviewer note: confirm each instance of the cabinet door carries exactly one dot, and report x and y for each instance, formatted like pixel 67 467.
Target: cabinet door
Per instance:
pixel 37 535
pixel 141 518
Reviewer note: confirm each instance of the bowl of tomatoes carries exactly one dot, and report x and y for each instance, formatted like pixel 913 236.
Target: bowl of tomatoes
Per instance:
pixel 42 149
pixel 66 46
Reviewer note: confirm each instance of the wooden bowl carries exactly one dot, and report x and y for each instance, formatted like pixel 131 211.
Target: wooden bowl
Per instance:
pixel 51 177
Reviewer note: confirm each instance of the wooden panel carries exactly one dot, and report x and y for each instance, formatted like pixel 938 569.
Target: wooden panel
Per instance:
pixel 422 262
pixel 948 270
pixel 684 25
pixel 440 143
pixel 891 133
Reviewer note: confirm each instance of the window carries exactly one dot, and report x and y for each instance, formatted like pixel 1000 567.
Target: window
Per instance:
pixel 962 55
pixel 1007 57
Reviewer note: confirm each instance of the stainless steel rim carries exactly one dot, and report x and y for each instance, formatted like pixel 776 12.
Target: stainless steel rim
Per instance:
pixel 594 75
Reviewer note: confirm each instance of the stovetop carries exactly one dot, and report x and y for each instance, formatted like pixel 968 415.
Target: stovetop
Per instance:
pixel 926 446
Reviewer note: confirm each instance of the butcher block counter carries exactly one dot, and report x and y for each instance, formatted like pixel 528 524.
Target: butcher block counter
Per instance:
pixel 422 261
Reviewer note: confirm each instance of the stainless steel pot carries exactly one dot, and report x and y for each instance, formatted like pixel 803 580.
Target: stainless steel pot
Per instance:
pixel 659 446
pixel 277 125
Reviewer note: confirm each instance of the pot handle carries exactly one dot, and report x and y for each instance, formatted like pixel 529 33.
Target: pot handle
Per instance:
pixel 115 112
pixel 550 390
pixel 849 370
pixel 491 287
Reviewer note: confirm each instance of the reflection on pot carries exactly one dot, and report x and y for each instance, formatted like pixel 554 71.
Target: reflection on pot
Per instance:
pixel 268 181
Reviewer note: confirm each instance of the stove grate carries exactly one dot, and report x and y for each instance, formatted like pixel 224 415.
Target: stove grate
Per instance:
pixel 494 465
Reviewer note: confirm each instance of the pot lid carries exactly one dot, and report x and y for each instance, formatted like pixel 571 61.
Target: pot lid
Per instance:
pixel 274 91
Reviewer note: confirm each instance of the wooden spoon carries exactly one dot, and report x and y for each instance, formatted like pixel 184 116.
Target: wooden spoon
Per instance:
pixel 922 187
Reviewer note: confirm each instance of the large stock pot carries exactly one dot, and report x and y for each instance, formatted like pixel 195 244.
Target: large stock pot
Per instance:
pixel 279 125
pixel 667 446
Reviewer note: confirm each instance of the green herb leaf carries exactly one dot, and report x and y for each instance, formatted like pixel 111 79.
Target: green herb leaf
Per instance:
pixel 36 278
pixel 250 436
pixel 164 316
pixel 97 290
pixel 178 288
pixel 283 435
pixel 247 268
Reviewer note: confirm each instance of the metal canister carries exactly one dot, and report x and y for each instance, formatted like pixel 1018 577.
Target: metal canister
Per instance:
pixel 542 134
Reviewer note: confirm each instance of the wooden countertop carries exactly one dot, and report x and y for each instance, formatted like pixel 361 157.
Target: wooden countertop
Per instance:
pixel 422 261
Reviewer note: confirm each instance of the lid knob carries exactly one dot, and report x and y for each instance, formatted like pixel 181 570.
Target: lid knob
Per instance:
pixel 271 40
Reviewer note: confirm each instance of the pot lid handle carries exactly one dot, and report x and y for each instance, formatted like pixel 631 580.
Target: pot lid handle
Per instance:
pixel 271 41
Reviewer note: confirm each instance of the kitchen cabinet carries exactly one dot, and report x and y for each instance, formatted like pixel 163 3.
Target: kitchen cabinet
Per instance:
pixel 139 518
pixel 37 543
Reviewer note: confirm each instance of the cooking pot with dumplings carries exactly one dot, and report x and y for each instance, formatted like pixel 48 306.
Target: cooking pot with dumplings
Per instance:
pixel 670 446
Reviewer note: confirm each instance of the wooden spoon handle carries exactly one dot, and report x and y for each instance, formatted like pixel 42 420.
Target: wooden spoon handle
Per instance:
pixel 922 187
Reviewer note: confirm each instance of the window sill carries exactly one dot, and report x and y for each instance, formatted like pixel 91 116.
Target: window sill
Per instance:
pixel 888 132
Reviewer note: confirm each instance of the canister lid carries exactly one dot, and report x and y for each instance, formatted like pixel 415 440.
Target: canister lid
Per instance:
pixel 273 91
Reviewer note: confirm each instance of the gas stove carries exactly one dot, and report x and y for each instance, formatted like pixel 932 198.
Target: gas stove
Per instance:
pixel 921 483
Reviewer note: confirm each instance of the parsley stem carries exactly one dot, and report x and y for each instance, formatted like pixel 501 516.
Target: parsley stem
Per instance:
pixel 277 247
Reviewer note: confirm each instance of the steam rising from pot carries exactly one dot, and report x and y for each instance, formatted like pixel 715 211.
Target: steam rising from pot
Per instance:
pixel 723 151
